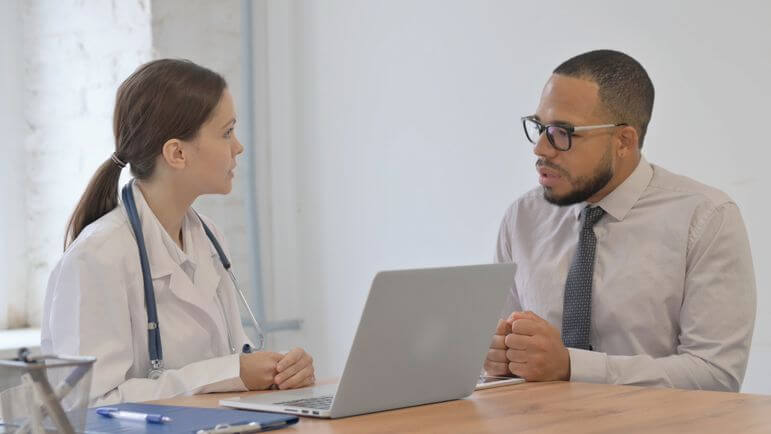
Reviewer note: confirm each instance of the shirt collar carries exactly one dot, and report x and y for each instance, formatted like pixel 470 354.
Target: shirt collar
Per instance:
pixel 620 201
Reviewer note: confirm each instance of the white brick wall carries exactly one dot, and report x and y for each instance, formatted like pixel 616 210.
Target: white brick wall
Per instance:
pixel 13 272
pixel 76 53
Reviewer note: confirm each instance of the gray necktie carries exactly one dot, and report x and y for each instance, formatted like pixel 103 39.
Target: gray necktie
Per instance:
pixel 577 305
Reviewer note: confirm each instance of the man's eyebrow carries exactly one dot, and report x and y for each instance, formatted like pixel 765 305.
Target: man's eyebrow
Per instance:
pixel 562 123
pixel 554 122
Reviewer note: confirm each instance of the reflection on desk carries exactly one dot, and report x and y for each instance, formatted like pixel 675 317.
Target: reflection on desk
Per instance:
pixel 557 407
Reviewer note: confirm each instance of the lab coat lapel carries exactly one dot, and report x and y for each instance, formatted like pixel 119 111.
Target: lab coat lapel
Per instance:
pixel 208 270
pixel 202 288
pixel 199 294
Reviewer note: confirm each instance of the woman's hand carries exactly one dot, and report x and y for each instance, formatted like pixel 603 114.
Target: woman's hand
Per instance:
pixel 295 370
pixel 259 369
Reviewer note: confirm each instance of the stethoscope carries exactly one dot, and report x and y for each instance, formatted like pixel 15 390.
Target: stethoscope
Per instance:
pixel 153 332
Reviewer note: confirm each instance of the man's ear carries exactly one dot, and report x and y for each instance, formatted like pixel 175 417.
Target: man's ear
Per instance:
pixel 174 153
pixel 628 139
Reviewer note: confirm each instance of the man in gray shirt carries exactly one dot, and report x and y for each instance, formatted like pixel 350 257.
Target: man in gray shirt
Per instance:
pixel 626 272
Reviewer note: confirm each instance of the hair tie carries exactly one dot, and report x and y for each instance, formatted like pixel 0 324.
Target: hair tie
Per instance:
pixel 117 160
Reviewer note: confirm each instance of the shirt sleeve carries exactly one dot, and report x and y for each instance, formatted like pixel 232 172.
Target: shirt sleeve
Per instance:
pixel 717 317
pixel 89 315
pixel 504 255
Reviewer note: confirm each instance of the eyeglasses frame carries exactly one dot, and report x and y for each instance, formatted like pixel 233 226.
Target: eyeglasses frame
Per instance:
pixel 571 129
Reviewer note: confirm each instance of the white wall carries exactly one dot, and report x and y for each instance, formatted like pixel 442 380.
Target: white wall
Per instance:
pixel 13 276
pixel 76 53
pixel 209 33
pixel 407 146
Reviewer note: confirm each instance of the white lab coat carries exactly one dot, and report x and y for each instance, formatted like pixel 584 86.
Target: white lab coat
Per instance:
pixel 95 306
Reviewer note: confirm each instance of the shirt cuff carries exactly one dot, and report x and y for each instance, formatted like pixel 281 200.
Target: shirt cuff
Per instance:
pixel 230 368
pixel 588 366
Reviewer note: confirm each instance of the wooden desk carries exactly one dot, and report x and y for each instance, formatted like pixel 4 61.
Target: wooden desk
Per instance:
pixel 559 407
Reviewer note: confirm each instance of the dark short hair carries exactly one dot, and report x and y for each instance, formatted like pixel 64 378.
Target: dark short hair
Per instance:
pixel 626 90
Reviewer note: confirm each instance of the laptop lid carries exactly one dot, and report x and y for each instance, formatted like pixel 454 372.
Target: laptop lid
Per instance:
pixel 423 337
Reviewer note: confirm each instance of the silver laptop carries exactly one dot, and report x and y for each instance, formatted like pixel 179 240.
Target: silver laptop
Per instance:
pixel 422 338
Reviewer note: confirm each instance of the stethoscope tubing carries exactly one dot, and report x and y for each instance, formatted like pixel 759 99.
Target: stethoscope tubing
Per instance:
pixel 153 328
pixel 155 348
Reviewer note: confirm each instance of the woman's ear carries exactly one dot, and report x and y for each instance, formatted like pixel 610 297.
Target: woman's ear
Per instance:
pixel 174 154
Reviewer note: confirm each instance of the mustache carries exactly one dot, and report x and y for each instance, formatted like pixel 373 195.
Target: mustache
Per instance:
pixel 543 163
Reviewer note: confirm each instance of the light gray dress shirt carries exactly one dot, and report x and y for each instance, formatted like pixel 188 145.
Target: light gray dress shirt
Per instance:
pixel 673 301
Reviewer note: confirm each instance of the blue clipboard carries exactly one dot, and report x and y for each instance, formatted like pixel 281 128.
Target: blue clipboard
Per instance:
pixel 184 419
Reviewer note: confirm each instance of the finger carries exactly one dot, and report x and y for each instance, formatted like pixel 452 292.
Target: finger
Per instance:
pixel 499 342
pixel 496 368
pixel 497 356
pixel 516 356
pixel 517 342
pixel 297 378
pixel 310 381
pixel 290 359
pixel 519 369
pixel 526 327
pixel 503 328
pixel 524 315
pixel 293 369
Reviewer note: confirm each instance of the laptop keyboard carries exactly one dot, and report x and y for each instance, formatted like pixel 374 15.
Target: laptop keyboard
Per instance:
pixel 318 403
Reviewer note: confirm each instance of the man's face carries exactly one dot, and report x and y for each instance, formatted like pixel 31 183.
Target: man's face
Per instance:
pixel 582 172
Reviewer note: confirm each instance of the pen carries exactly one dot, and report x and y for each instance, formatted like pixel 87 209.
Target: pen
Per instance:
pixel 132 415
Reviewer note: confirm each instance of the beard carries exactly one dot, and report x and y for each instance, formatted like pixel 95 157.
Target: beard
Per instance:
pixel 583 187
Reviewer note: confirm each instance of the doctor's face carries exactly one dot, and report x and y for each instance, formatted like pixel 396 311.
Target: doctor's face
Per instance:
pixel 214 159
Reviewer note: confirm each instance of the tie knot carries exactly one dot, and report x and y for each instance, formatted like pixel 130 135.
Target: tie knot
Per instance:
pixel 592 215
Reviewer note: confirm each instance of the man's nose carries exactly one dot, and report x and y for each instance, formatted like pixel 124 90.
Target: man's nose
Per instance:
pixel 543 148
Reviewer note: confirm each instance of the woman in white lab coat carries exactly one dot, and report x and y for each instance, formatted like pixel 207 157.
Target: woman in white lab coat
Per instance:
pixel 173 125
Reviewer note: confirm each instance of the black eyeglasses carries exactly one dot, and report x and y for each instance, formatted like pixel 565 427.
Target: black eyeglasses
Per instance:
pixel 559 136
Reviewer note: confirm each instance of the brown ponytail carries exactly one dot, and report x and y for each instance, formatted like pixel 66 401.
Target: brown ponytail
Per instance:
pixel 162 100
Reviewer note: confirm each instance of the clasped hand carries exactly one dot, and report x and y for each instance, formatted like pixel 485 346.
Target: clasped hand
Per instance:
pixel 528 346
pixel 263 369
